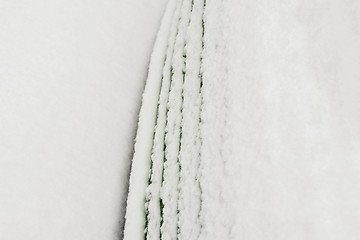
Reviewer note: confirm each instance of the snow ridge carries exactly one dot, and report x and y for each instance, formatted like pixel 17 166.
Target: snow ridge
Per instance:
pixel 153 201
pixel 189 188
pixel 173 135
pixel 135 214
pixel 172 198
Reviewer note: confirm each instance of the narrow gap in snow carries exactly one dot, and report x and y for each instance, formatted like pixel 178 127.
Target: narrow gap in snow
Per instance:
pixel 200 168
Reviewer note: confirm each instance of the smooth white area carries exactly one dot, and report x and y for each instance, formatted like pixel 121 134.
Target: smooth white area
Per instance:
pixel 71 79
pixel 281 120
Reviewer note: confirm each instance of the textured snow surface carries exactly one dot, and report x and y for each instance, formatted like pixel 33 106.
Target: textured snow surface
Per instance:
pixel 253 129
pixel 71 78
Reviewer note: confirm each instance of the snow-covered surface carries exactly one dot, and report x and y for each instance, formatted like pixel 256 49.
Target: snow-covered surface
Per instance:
pixel 161 127
pixel 135 213
pixel 281 141
pixel 267 146
pixel 71 78
pixel 249 126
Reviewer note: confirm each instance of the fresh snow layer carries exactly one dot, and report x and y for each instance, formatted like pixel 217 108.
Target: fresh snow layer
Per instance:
pixel 281 117
pixel 249 127
pixel 71 79
pixel 135 212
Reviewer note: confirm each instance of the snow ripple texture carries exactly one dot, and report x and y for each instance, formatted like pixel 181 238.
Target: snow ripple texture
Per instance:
pixel 173 191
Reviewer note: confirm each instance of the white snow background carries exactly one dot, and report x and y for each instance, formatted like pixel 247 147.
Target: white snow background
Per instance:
pixel 71 78
pixel 249 127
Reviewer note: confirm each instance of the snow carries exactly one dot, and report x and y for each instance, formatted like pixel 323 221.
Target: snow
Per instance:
pixel 71 78
pixel 167 168
pixel 173 129
pixel 248 126
pixel 280 141
pixel 189 159
pixel 261 128
pixel 135 214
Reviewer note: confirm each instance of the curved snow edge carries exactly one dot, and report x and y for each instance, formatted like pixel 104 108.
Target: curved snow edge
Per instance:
pixel 135 211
